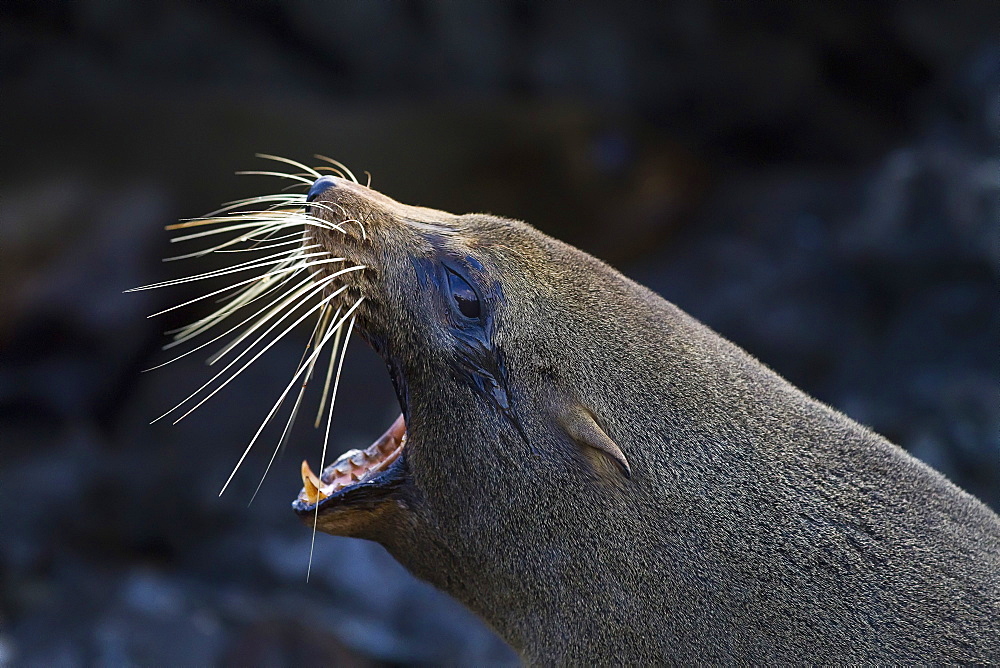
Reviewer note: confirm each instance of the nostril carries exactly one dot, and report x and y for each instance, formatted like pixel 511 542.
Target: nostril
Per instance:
pixel 322 184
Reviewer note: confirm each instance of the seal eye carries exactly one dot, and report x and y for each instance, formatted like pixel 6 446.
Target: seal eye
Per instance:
pixel 465 297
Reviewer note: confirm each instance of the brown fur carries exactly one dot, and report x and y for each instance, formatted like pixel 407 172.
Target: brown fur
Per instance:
pixel 757 526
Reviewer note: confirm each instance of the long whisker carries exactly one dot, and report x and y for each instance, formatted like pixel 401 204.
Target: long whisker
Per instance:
pixel 257 221
pixel 299 297
pixel 288 389
pixel 321 324
pixel 326 436
pixel 286 209
pixel 240 298
pixel 255 248
pixel 239 339
pixel 246 294
pixel 339 165
pixel 326 385
pixel 225 333
pixel 276 200
pixel 293 163
pixel 266 233
pixel 295 256
pixel 278 219
pixel 255 357
pixel 251 280
pixel 240 301
pixel 255 263
pixel 283 175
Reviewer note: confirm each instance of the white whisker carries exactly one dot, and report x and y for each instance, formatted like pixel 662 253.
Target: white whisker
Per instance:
pixel 282 175
pixel 288 389
pixel 225 333
pixel 249 237
pixel 339 165
pixel 300 297
pixel 242 293
pixel 211 294
pixel 259 263
pixel 329 420
pixel 261 220
pixel 326 384
pixel 282 306
pixel 257 222
pixel 256 356
pixel 255 248
pixel 255 263
pixel 321 323
pixel 256 278
pixel 240 298
pixel 276 199
pixel 293 163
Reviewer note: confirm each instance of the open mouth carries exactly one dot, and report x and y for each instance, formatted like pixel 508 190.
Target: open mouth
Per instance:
pixel 352 470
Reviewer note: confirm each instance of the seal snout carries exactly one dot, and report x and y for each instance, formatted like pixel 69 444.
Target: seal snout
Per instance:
pixel 321 185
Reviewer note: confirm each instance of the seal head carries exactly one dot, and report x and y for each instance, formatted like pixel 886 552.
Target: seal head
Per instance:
pixel 432 286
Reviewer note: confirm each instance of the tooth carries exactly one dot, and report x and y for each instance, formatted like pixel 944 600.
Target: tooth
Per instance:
pixel 308 476
pixel 359 459
pixel 355 477
pixel 311 484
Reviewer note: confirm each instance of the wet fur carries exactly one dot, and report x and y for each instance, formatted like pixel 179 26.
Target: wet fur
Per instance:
pixel 758 526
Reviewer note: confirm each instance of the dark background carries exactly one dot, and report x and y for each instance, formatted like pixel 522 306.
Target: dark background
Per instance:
pixel 820 182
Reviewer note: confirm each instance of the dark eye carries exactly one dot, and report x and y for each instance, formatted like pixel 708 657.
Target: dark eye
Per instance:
pixel 465 297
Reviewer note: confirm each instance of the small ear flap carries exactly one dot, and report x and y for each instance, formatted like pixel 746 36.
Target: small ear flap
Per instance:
pixel 581 426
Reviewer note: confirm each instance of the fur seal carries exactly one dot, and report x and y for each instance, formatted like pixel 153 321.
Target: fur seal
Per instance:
pixel 603 479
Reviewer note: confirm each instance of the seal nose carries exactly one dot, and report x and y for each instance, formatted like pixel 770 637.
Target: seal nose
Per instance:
pixel 321 184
